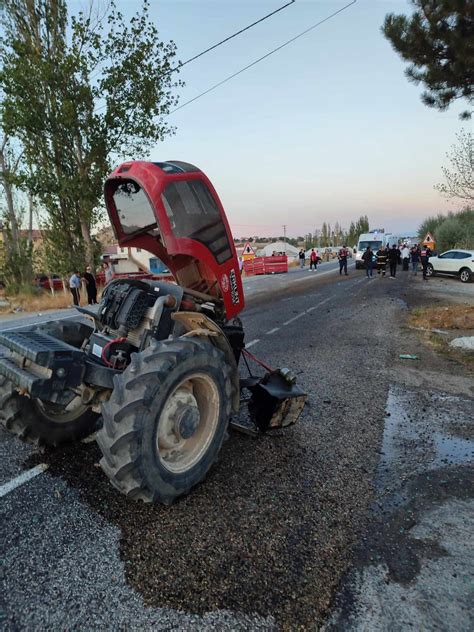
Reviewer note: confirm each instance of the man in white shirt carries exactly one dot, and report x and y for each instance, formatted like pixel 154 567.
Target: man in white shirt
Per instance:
pixel 74 286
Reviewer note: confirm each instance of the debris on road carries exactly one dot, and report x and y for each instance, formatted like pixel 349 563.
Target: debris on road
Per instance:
pixel 465 343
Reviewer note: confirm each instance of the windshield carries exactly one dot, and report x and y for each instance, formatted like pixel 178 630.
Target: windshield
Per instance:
pixel 133 207
pixel 375 245
pixel 194 213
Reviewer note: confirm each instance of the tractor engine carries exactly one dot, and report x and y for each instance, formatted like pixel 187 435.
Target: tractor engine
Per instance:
pixel 130 314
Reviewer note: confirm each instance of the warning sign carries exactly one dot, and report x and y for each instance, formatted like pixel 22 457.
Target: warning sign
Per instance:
pixel 248 253
pixel 429 241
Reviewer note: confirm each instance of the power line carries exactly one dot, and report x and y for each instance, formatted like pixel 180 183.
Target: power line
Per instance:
pixel 290 41
pixel 265 17
pixel 188 61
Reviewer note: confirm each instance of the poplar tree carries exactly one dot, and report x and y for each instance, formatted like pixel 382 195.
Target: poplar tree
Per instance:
pixel 79 94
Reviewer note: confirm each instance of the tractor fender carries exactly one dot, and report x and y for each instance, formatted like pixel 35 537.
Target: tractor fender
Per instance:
pixel 196 325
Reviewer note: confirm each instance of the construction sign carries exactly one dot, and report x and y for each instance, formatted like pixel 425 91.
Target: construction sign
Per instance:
pixel 429 241
pixel 248 253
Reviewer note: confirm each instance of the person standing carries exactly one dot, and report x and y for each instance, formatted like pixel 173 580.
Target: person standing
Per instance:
pixel 74 286
pixel 393 255
pixel 368 258
pixel 108 272
pixel 405 252
pixel 381 260
pixel 342 256
pixel 313 260
pixel 415 258
pixel 301 257
pixel 91 286
pixel 425 255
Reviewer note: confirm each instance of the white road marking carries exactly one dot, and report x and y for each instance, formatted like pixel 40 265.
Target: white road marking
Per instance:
pixel 251 343
pixel 272 331
pixel 38 322
pixel 294 318
pixel 317 274
pixel 22 479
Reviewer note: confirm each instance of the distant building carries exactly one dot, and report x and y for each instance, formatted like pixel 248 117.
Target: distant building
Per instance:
pixel 126 259
pixel 279 246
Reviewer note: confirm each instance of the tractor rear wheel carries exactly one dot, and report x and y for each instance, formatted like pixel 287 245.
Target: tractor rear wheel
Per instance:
pixel 166 419
pixel 41 422
pixel 45 423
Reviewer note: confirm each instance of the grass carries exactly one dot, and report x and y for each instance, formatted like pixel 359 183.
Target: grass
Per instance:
pixel 37 302
pixel 447 317
pixel 444 318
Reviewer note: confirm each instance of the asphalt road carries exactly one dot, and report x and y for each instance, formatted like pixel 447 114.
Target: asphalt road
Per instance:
pixel 265 541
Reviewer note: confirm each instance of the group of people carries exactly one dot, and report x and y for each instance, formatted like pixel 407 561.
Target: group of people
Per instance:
pixel 394 256
pixel 90 282
pixel 342 256
pixel 313 259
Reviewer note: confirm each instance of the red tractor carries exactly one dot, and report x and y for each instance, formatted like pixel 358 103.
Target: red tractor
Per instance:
pixel 155 364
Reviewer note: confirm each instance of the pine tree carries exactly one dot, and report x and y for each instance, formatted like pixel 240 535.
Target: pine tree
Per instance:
pixel 438 41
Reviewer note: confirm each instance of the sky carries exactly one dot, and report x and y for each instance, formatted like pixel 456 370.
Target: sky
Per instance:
pixel 327 129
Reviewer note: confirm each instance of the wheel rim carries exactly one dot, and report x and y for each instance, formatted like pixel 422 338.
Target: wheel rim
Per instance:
pixel 59 414
pixel 464 275
pixel 188 423
pixel 430 271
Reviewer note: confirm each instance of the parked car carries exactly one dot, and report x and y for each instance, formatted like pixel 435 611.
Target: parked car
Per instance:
pixel 44 282
pixel 457 262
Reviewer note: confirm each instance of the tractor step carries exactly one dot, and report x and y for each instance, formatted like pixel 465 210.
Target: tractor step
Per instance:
pixel 39 348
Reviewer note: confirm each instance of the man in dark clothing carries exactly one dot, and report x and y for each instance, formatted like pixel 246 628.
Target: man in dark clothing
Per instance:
pixel 368 258
pixel 91 286
pixel 425 254
pixel 393 255
pixel 381 260
pixel 301 257
pixel 342 256
pixel 415 258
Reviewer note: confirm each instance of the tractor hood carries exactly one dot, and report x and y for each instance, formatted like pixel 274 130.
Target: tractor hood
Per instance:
pixel 172 210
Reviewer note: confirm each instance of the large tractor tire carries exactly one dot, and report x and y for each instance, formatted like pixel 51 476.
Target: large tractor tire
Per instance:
pixel 166 419
pixel 41 422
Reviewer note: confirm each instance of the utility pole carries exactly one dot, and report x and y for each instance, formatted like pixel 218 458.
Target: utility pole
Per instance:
pixel 284 236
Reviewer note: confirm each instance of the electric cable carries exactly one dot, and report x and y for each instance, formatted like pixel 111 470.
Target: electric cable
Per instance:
pixel 227 39
pixel 254 63
pixel 246 28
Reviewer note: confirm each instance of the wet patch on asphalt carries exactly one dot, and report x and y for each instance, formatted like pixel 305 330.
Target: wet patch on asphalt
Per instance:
pixel 421 537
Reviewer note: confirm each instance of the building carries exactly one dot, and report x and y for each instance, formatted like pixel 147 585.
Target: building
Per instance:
pixel 125 259
pixel 279 246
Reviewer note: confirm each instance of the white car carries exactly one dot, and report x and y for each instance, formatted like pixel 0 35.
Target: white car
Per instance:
pixel 457 262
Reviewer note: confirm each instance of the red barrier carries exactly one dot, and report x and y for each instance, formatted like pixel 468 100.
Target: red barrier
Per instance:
pixel 266 265
pixel 275 265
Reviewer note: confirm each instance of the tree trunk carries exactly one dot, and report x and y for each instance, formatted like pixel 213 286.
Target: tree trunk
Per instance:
pixel 4 173
pixel 89 245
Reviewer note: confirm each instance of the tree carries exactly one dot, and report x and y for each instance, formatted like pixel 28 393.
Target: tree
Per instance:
pixel 455 230
pixel 324 240
pixel 79 94
pixel 459 180
pixel 438 42
pixel 352 234
pixel 430 225
pixel 8 176
pixel 361 226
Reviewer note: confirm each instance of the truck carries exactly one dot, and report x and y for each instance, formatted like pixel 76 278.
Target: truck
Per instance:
pixel 154 367
pixel 375 239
